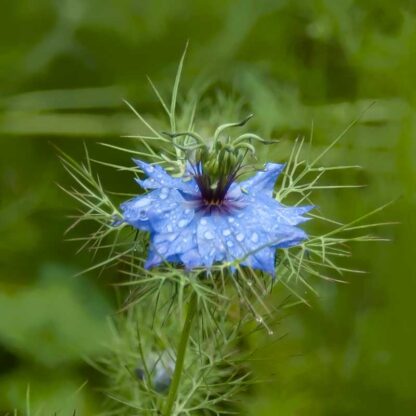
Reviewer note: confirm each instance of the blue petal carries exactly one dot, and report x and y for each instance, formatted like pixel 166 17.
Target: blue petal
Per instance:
pixel 171 214
pixel 250 234
pixel 263 259
pixel 263 226
pixel 157 255
pixel 177 242
pixel 264 180
pixel 245 236
pixel 266 206
pixel 293 215
pixel 285 236
pixel 135 211
pixel 153 259
pixel 191 259
pixel 210 246
pixel 158 178
pixel 141 211
pixel 223 238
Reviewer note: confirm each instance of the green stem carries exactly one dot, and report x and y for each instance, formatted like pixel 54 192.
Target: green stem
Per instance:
pixel 180 355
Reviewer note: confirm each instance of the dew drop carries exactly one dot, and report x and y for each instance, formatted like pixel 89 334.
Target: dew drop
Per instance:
pixel 150 168
pixel 203 221
pixel 182 223
pixel 259 319
pixel 270 332
pixel 240 237
pixel 162 249
pixel 142 202
pixel 208 235
pixel 226 232
pixel 230 243
pixel 231 220
pixel 169 228
pixel 255 237
pixel 164 193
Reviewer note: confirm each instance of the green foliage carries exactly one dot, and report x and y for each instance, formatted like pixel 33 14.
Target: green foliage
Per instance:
pixel 47 329
pixel 56 311
pixel 63 75
pixel 144 345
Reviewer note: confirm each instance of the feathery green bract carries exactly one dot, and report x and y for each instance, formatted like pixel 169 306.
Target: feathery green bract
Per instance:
pixel 144 344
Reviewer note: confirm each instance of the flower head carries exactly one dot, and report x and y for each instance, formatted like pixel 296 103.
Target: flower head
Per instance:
pixel 197 222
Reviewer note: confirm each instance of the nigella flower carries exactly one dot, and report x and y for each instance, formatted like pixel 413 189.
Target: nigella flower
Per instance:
pixel 161 368
pixel 198 223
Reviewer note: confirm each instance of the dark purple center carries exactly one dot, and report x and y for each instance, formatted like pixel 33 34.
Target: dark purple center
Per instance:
pixel 213 191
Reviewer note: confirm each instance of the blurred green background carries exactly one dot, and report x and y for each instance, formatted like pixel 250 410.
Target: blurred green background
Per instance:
pixel 66 65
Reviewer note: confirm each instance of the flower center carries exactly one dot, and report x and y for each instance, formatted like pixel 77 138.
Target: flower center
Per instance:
pixel 213 190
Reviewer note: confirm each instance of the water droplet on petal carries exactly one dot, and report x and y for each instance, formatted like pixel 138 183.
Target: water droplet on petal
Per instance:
pixel 240 237
pixel 142 202
pixel 208 235
pixel 203 221
pixel 230 243
pixel 150 168
pixel 172 237
pixel 164 193
pixel 231 220
pixel 169 228
pixel 143 215
pixel 255 237
pixel 182 223
pixel 162 249
pixel 226 232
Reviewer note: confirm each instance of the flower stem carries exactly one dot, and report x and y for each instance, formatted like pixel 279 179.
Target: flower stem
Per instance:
pixel 180 355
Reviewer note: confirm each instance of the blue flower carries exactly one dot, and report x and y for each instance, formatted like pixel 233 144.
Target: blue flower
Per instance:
pixel 197 223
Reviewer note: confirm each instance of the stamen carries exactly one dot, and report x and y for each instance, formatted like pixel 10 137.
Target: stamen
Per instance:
pixel 213 194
